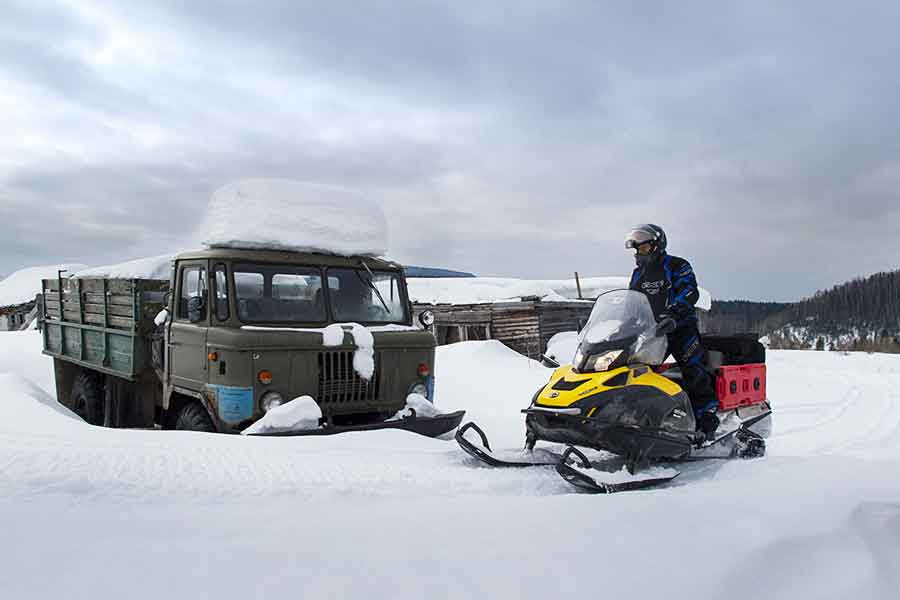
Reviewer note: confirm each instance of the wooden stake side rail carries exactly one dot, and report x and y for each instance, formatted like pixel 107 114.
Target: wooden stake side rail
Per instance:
pixel 103 324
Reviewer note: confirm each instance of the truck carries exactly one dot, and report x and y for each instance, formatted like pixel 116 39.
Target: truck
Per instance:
pixel 234 334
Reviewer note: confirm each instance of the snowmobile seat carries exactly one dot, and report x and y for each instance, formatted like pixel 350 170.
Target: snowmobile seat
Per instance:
pixel 740 349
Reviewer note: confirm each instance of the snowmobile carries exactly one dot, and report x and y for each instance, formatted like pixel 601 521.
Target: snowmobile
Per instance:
pixel 617 396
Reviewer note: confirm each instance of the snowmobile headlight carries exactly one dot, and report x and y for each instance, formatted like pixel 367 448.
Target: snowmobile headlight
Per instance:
pixel 601 362
pixel 270 400
pixel 419 388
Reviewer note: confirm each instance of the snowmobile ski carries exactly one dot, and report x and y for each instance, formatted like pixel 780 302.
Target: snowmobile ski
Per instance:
pixel 484 453
pixel 576 472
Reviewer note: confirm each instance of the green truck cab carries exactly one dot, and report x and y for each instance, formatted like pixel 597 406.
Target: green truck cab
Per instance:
pixel 244 332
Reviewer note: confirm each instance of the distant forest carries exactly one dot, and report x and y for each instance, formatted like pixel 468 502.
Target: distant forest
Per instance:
pixel 863 314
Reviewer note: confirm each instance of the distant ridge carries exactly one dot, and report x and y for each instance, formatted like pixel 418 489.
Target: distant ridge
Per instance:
pixel 862 314
pixel 435 272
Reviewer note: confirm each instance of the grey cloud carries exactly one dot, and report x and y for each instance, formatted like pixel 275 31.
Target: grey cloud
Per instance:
pixel 515 139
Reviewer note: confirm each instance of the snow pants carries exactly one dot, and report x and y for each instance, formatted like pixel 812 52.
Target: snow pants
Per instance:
pixel 689 353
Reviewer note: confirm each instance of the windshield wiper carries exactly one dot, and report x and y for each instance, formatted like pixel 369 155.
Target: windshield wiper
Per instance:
pixel 372 285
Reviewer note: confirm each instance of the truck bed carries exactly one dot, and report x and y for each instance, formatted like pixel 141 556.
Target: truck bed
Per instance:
pixel 103 324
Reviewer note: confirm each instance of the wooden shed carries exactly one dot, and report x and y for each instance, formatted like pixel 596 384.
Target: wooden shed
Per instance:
pixel 525 326
pixel 17 316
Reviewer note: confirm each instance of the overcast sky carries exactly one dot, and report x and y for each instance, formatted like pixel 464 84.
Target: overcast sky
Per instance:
pixel 509 139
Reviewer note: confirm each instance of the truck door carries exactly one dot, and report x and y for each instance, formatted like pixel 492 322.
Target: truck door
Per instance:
pixel 187 336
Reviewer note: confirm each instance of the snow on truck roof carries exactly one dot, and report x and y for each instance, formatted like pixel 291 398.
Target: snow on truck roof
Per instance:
pixel 23 285
pixel 281 214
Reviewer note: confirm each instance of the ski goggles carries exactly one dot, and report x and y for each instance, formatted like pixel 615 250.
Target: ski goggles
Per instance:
pixel 638 237
pixel 643 248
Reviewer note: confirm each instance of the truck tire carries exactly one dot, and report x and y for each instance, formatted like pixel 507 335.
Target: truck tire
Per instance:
pixel 193 417
pixel 87 398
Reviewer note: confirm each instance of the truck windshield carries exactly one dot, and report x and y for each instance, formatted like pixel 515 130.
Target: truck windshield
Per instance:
pixel 279 293
pixel 366 296
pixel 270 293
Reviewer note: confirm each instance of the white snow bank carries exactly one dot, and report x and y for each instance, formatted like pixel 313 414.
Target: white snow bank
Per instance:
pixel 24 405
pixel 297 415
pixel 475 290
pixel 817 518
pixel 23 285
pixel 152 267
pixel 291 215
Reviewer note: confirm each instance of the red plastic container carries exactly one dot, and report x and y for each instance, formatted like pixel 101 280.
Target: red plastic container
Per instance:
pixel 740 385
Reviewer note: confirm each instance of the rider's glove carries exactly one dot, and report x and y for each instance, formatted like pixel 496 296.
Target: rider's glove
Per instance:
pixel 666 324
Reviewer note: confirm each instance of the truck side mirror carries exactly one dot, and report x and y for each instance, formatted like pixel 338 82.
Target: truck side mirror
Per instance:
pixel 196 309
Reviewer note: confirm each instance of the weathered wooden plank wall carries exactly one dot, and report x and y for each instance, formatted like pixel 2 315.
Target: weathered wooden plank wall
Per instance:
pixel 526 326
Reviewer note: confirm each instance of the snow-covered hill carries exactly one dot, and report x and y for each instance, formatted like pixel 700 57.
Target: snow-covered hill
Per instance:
pixel 88 512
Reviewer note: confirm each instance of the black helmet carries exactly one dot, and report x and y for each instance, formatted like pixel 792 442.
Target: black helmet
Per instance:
pixel 647 232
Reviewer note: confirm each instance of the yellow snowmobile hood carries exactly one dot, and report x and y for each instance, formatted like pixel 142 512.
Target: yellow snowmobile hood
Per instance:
pixel 566 387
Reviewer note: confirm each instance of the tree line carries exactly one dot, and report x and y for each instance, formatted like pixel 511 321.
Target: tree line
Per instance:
pixel 862 314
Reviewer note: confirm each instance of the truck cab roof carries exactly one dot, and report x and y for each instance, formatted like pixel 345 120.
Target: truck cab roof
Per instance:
pixel 289 257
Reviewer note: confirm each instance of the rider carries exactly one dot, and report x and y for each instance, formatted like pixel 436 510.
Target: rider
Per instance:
pixel 669 283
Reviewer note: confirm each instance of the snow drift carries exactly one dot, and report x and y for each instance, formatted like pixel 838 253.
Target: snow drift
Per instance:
pixel 291 215
pixel 819 517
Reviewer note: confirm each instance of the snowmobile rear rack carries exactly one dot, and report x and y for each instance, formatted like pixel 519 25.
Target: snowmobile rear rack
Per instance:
pixel 427 426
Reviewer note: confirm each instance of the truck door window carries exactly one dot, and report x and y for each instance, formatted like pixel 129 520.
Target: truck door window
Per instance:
pixel 221 293
pixel 278 294
pixel 193 285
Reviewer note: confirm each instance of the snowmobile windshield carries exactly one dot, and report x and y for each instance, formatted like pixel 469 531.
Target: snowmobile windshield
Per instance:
pixel 621 330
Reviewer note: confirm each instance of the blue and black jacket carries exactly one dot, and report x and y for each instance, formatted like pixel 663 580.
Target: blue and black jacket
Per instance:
pixel 670 285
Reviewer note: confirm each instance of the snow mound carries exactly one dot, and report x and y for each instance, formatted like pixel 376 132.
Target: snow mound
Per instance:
pixel 25 405
pixel 299 414
pixel 23 285
pixel 152 267
pixel 281 214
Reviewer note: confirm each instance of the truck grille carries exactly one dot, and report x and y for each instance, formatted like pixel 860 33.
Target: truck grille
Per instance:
pixel 339 385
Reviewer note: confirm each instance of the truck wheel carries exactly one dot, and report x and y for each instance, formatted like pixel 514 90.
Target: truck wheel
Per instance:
pixel 87 398
pixel 193 417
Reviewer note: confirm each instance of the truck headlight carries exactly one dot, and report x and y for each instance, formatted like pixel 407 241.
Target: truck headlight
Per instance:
pixel 270 400
pixel 426 318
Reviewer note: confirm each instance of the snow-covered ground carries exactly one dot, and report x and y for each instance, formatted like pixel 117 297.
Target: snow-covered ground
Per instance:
pixel 87 512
